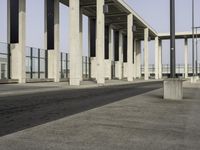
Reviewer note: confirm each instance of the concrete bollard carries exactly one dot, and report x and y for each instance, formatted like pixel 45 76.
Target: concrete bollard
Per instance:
pixel 173 89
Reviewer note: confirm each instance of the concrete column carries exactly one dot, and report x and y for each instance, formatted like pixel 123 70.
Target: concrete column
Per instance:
pixel 186 58
pixel 54 54
pixel 156 58
pixel 111 44
pixel 75 51
pixel 130 47
pixel 100 45
pixel 119 63
pixel 111 49
pixel 18 51
pixel 160 60
pixel 138 59
pixel 135 60
pixel 92 47
pixel 146 54
pixel 108 62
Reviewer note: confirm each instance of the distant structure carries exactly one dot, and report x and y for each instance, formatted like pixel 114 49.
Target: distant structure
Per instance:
pixel 115 36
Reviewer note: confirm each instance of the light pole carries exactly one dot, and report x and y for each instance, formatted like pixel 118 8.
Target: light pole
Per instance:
pixel 172 39
pixel 173 87
pixel 193 73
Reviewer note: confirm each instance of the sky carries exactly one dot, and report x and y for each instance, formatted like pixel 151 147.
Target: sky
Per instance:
pixel 154 12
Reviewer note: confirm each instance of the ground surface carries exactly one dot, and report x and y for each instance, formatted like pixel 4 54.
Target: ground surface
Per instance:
pixel 135 117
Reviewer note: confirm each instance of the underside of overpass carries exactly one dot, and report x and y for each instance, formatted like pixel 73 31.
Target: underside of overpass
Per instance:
pixel 115 35
pixel 116 16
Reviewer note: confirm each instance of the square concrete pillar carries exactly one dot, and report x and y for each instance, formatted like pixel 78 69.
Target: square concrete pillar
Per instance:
pixel 160 60
pixel 111 43
pixel 173 89
pixel 54 54
pixel 138 59
pixel 156 58
pixel 134 59
pixel 108 69
pixel 100 41
pixel 18 50
pixel 146 54
pixel 92 46
pixel 93 68
pixel 75 43
pixel 130 48
pixel 125 70
pixel 186 58
pixel 108 62
pixel 119 63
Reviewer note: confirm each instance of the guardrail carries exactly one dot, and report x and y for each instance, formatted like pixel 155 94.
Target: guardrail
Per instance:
pixel 36 63
pixel 4 61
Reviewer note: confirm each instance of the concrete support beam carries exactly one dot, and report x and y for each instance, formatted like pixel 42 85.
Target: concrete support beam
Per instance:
pixel 107 61
pixel 75 51
pixel 156 58
pixel 111 43
pixel 130 47
pixel 92 46
pixel 134 60
pixel 18 54
pixel 119 64
pixel 146 54
pixel 186 57
pixel 54 54
pixel 100 45
pixel 160 60
pixel 138 59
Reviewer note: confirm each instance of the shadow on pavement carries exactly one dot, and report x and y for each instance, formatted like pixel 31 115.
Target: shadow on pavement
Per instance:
pixel 22 112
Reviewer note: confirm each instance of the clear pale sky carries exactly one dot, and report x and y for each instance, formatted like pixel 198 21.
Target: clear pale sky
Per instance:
pixel 154 12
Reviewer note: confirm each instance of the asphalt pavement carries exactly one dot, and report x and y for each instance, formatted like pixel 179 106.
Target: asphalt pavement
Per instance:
pixel 19 112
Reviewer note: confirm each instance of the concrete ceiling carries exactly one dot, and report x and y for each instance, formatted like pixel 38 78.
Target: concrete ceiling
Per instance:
pixel 117 16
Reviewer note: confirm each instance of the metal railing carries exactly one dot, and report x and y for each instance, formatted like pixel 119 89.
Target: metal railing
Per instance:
pixel 64 66
pixel 86 67
pixel 36 63
pixel 180 69
pixel 5 61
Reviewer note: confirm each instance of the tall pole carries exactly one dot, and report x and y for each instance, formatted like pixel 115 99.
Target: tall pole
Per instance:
pixel 196 52
pixel 172 39
pixel 193 38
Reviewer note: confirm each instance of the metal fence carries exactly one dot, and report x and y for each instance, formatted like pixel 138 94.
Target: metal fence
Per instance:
pixel 36 63
pixel 86 67
pixel 180 69
pixel 4 61
pixel 64 69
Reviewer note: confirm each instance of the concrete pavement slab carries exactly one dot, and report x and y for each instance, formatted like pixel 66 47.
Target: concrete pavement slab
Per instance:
pixel 141 122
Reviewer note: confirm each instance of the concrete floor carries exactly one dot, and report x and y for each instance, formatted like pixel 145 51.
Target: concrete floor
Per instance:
pixel 131 121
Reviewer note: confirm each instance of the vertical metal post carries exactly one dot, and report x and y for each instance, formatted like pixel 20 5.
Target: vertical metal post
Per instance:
pixel 83 67
pixel 61 65
pixel 172 40
pixel 193 72
pixel 67 66
pixel 86 68
pixel 38 63
pixel 46 64
pixel 31 59
pixel 9 62
pixel 196 51
pixel 89 61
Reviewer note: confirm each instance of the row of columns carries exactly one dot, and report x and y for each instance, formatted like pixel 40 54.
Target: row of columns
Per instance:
pixel 98 68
